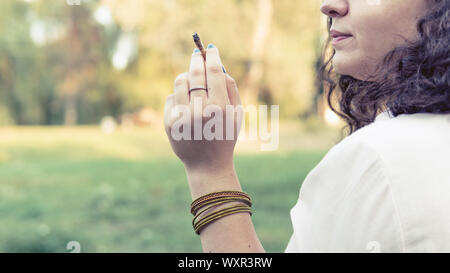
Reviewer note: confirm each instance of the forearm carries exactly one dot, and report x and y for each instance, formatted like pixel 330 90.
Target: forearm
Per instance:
pixel 232 233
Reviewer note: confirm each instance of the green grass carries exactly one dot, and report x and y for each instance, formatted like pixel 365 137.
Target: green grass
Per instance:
pixel 127 192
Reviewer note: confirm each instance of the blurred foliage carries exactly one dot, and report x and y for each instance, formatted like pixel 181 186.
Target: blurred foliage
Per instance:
pixel 75 64
pixel 57 60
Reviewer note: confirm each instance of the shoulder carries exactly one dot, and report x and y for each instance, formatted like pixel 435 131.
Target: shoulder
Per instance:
pixel 394 148
pixel 398 142
pixel 388 134
pixel 411 148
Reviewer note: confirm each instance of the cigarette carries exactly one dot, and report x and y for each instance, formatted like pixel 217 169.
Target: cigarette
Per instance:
pixel 199 44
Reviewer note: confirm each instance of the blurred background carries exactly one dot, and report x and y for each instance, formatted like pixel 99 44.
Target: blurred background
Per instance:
pixel 83 152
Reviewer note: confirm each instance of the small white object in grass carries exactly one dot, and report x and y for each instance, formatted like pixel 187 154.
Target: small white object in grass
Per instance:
pixel 108 125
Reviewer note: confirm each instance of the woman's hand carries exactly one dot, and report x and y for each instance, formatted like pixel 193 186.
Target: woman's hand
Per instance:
pixel 208 162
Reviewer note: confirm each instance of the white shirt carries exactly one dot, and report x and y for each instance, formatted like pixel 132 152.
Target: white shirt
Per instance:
pixel 385 188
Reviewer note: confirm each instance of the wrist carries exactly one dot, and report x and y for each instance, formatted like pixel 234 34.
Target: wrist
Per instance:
pixel 211 179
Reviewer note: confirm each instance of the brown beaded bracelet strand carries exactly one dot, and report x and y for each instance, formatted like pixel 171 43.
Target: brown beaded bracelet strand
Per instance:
pixel 196 208
pixel 217 194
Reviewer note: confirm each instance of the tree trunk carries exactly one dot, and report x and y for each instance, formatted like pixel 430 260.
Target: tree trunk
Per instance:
pixel 70 110
pixel 255 69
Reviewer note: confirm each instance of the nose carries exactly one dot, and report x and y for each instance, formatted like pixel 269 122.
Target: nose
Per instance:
pixel 334 8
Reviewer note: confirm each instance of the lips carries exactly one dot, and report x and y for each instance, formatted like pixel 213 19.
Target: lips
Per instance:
pixel 338 36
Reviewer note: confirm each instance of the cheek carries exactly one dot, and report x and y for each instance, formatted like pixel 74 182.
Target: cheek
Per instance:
pixel 376 30
pixel 379 29
pixel 372 34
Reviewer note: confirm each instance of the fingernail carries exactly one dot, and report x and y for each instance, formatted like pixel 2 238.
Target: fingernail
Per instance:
pixel 211 46
pixel 223 69
pixel 196 50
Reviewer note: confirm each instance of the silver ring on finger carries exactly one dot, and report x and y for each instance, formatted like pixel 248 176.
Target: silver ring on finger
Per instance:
pixel 197 88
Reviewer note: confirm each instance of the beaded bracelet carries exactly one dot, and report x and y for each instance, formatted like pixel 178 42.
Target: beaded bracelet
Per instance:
pixel 214 199
pixel 216 203
pixel 196 208
pixel 216 195
pixel 220 193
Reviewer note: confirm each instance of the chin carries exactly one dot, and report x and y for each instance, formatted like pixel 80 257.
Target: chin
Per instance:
pixel 346 65
pixel 342 64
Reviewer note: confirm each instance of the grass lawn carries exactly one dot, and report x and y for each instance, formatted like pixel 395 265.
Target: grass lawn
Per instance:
pixel 127 192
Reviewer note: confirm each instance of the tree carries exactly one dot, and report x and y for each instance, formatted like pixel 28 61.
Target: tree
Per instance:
pixel 252 79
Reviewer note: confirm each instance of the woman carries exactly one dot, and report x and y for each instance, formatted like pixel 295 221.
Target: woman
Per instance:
pixel 385 187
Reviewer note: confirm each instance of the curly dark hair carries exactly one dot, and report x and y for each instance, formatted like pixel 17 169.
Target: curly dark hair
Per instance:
pixel 412 78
